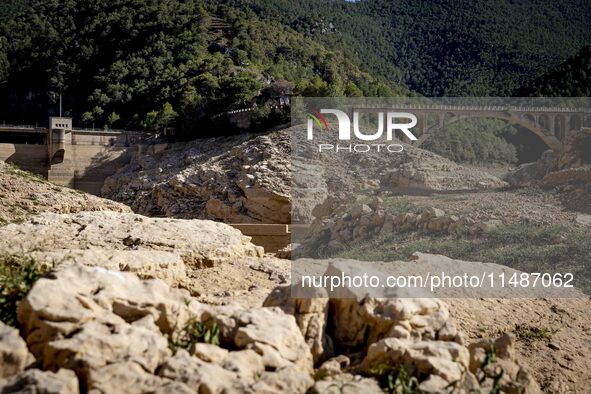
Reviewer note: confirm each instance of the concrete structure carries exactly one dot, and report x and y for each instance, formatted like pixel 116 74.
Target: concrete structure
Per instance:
pixel 551 124
pixel 272 237
pixel 77 158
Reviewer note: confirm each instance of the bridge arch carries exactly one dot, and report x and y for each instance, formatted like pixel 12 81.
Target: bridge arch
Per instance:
pixel 526 121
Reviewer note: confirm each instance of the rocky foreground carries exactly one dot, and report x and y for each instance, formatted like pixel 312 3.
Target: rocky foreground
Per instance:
pixel 97 328
pixel 132 304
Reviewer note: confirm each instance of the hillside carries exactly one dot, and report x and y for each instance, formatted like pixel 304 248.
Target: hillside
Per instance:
pixel 23 194
pixel 569 79
pixel 439 48
pixel 141 64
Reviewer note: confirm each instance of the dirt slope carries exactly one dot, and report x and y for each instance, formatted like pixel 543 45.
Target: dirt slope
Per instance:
pixel 23 195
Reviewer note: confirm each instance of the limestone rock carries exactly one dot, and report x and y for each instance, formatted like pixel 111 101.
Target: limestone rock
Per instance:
pixel 96 345
pixel 358 322
pixel 201 376
pixel 35 381
pixel 14 355
pixel 54 314
pixel 488 358
pixel 116 240
pixel 448 360
pixel 287 380
pixel 584 219
pixel 347 384
pixel 239 179
pixel 124 377
pixel 273 329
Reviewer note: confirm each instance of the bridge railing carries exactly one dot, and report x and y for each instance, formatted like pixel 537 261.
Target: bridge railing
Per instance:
pixel 95 130
pixel 436 107
pixel 20 126
pixel 78 129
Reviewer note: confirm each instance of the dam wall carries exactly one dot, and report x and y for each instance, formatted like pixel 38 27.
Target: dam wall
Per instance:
pixel 88 158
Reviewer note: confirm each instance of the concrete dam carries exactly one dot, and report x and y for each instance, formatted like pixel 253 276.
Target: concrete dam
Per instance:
pixel 82 159
pixel 78 158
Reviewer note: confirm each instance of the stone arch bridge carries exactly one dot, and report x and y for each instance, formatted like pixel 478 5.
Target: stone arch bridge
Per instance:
pixel 551 124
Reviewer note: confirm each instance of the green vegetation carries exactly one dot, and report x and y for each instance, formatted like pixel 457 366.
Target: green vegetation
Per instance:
pixel 570 79
pixel 18 273
pixel 532 333
pixel 195 332
pixel 523 246
pixel 395 380
pixel 474 141
pixel 141 64
pixel 443 48
pixel 145 64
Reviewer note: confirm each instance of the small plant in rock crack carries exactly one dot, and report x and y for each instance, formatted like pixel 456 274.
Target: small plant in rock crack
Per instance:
pixel 195 332
pixel 18 273
pixel 497 372
pixel 395 380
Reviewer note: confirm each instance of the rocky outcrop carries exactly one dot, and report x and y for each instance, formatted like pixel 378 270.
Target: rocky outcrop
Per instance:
pixel 410 340
pixel 250 178
pixel 338 223
pixel 35 381
pixel 14 355
pixel 235 179
pixel 531 173
pixel 122 334
pixel 107 331
pixel 576 150
pixel 151 247
pixel 434 173
pixel 23 194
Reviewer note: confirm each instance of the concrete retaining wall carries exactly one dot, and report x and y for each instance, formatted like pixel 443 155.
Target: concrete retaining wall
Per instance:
pixel 88 160
pixel 272 237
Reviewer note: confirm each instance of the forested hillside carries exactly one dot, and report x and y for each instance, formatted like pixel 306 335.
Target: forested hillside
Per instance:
pixel 570 79
pixel 438 48
pixel 143 63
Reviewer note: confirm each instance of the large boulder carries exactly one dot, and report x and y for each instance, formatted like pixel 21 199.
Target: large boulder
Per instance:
pixel 14 355
pixel 34 381
pixel 151 247
pixel 84 318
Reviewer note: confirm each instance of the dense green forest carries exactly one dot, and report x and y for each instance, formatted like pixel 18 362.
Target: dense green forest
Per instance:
pixel 475 141
pixel 145 64
pixel 443 48
pixel 570 79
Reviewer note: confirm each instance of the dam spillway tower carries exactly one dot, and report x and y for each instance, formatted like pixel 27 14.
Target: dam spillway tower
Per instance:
pixel 59 134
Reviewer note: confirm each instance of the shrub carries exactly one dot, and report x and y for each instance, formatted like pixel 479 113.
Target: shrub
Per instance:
pixel 395 379
pixel 17 276
pixel 474 141
pixel 195 332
